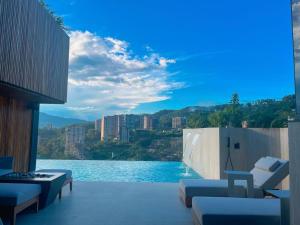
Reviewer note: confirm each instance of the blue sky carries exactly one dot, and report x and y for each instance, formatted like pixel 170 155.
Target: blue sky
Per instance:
pixel 143 56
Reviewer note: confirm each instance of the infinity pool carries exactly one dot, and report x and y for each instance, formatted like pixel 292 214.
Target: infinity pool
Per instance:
pixel 122 171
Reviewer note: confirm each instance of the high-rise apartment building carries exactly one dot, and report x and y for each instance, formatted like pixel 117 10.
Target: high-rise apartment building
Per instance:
pixel 178 122
pixel 123 134
pixel 148 123
pixel 123 126
pixel 75 139
pixel 98 125
pixel 133 121
pixel 75 135
pixel 109 128
pixel 117 127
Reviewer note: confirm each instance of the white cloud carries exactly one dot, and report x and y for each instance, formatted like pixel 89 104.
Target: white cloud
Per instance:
pixel 106 77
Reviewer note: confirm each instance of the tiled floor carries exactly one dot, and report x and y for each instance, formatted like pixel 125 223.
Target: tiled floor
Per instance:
pixel 95 203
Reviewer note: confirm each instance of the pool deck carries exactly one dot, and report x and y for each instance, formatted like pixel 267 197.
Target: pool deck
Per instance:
pixel 94 203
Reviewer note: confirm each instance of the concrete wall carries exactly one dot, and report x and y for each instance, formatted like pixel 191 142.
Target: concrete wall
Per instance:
pixel 294 143
pixel 201 149
pixel 210 152
pixel 254 144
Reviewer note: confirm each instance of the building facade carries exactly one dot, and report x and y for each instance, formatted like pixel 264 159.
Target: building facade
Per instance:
pixel 118 127
pixel 109 128
pixel 123 134
pixel 178 122
pixel 98 125
pixel 115 128
pixel 148 123
pixel 133 122
pixel 75 140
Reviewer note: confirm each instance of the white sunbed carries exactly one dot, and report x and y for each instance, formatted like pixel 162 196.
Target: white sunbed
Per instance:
pixel 236 211
pixel 267 174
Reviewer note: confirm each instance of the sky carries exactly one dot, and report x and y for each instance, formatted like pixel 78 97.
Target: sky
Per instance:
pixel 143 56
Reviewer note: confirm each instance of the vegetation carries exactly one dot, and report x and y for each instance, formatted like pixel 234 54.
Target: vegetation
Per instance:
pixel 58 19
pixel 266 113
pixel 144 145
pixel 163 143
pixel 51 143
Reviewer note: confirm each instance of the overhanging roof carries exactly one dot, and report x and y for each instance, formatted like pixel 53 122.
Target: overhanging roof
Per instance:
pixel 34 53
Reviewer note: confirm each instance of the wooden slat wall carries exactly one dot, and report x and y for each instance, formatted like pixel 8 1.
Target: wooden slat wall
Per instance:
pixel 34 50
pixel 15 131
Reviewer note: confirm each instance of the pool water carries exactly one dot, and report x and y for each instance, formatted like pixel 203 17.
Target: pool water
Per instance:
pixel 122 171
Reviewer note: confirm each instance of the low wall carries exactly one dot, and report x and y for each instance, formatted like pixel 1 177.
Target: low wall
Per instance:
pixel 206 151
pixel 294 142
pixel 201 149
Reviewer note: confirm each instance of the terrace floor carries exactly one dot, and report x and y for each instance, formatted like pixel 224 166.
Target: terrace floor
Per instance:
pixel 94 203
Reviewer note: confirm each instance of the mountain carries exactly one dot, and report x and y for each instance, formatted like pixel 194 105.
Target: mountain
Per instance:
pixel 185 112
pixel 56 121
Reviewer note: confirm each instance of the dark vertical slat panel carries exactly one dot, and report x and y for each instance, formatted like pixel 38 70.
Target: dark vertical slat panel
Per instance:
pixel 15 131
pixel 34 136
pixel 33 49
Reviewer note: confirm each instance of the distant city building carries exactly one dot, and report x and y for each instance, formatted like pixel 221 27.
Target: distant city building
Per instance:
pixel 109 128
pixel 116 128
pixel 49 126
pixel 155 123
pixel 98 125
pixel 123 126
pixel 124 134
pixel 75 135
pixel 75 139
pixel 148 123
pixel 133 121
pixel 178 122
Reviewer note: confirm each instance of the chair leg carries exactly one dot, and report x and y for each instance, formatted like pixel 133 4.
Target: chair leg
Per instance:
pixel 37 206
pixel 71 185
pixel 13 216
pixel 59 194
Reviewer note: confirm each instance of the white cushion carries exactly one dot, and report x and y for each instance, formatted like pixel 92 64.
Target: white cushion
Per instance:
pixel 268 164
pixel 236 211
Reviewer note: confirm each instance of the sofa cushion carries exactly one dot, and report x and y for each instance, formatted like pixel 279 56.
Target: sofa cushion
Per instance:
pixel 16 194
pixel 67 172
pixel 236 211
pixel 6 162
pixel 5 172
pixel 268 164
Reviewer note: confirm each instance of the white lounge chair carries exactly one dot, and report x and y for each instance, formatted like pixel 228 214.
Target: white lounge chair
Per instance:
pixel 267 174
pixel 236 211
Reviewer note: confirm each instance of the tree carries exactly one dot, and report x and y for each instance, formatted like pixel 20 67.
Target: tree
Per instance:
pixel 234 112
pixel 235 99
pixel 198 120
pixel 218 119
